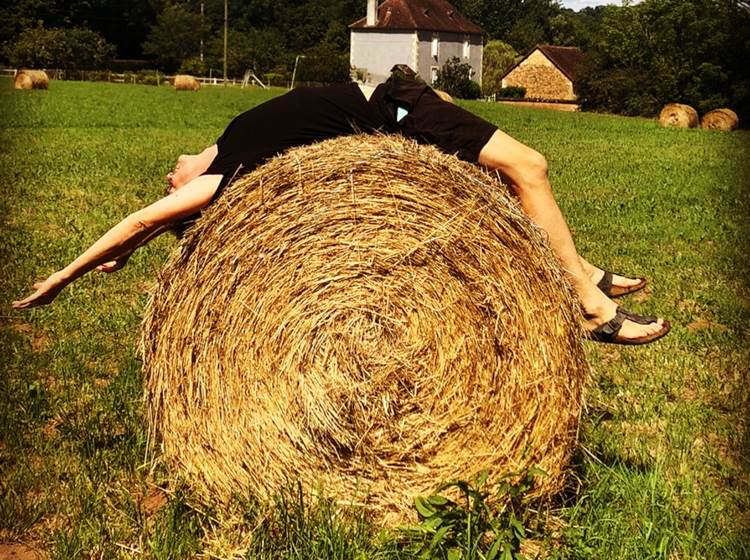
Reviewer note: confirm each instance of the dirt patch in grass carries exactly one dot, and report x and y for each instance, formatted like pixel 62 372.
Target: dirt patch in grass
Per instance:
pixel 643 295
pixel 154 501
pixel 703 324
pixel 50 430
pixel 18 551
pixel 39 341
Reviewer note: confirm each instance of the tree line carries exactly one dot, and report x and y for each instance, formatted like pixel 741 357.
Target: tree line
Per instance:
pixel 637 57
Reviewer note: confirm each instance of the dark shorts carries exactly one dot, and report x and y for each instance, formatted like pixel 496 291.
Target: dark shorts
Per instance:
pixel 431 120
pixel 302 116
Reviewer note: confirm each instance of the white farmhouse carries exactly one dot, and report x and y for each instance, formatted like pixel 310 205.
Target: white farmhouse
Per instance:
pixel 422 34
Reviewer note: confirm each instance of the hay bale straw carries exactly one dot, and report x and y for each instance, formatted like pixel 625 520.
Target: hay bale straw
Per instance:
pixel 720 119
pixel 31 79
pixel 367 316
pixel 186 82
pixel 678 115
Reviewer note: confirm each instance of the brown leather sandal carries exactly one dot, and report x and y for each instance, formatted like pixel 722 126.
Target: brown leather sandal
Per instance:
pixel 612 291
pixel 608 331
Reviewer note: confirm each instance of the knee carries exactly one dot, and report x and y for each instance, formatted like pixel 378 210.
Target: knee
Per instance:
pixel 524 167
pixel 534 169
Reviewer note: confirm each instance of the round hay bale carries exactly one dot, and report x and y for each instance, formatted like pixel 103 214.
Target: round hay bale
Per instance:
pixel 364 315
pixel 678 115
pixel 186 82
pixel 31 79
pixel 720 119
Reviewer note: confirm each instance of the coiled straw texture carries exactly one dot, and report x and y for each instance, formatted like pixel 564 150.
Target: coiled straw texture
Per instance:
pixel 369 317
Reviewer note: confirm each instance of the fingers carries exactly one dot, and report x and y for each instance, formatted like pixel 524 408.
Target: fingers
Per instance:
pixel 112 266
pixel 26 302
pixel 109 266
pixel 45 293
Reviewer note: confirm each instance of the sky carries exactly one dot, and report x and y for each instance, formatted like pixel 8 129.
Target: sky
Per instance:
pixel 580 4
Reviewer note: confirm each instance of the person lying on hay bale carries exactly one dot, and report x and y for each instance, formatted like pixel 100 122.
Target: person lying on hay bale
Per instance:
pixel 307 115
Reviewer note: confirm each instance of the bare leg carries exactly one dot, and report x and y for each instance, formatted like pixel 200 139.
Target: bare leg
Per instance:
pixel 526 171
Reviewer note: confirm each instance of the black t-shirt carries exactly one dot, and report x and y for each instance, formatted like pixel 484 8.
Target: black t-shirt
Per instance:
pixel 302 116
pixel 307 115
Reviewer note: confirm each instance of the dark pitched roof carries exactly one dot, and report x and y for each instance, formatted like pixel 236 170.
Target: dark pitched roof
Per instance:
pixel 427 15
pixel 567 59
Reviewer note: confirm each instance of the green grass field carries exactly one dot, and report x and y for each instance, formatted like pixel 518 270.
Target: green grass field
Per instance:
pixel 662 470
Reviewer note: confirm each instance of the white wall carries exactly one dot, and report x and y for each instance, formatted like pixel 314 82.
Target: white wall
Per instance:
pixel 378 51
pixel 449 45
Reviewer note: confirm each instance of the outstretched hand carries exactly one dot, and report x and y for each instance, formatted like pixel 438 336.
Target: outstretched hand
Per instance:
pixel 46 292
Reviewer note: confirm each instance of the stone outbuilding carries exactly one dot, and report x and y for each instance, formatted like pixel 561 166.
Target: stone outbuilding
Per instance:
pixel 421 34
pixel 547 72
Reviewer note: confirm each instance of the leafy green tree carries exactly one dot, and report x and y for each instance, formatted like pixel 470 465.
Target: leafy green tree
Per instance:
pixel 324 63
pixel 38 47
pixel 77 48
pixel 194 66
pixel 497 59
pixel 455 78
pixel 521 23
pixel 88 49
pixel 174 37
pixel 121 23
pixel 256 50
pixel 658 51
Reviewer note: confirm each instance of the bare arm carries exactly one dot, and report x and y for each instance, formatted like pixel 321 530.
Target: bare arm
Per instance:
pixel 121 260
pixel 138 228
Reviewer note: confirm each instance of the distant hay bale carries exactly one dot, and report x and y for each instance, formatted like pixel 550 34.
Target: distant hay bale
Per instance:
pixel 720 119
pixel 678 115
pixel 367 316
pixel 31 79
pixel 186 82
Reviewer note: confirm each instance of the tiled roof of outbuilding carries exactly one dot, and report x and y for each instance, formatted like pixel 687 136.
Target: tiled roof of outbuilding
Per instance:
pixel 567 59
pixel 427 15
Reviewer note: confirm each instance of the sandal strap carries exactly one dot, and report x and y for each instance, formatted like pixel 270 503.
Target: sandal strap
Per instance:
pixel 636 318
pixel 605 284
pixel 609 330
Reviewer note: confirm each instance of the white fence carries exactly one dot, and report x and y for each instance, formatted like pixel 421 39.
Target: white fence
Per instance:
pixel 154 78
pixel 151 77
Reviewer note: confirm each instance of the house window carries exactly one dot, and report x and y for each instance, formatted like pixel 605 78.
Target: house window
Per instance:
pixel 435 45
pixel 466 46
pixel 433 74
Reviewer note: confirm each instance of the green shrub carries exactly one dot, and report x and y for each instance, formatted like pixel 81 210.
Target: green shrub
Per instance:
pixel 466 527
pixel 193 66
pixel 455 78
pixel 512 92
pixel 150 78
pixel 279 78
pixel 497 59
pixel 98 76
